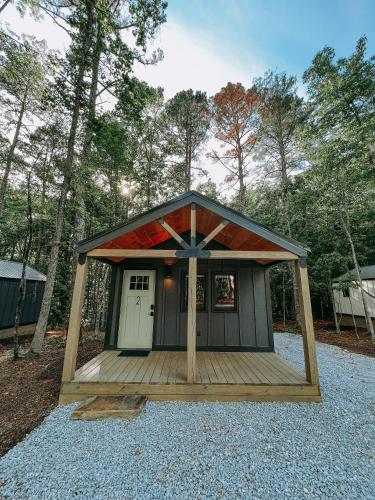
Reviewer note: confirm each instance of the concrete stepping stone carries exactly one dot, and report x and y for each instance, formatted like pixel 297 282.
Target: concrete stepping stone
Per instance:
pixel 100 407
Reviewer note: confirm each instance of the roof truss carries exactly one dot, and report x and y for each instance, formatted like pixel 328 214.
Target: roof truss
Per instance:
pixel 220 213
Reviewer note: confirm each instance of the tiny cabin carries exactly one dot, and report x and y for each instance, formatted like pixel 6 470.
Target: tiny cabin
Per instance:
pixel 10 277
pixel 348 297
pixel 189 313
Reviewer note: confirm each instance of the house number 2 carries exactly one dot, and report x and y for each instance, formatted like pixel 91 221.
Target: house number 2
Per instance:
pixel 138 301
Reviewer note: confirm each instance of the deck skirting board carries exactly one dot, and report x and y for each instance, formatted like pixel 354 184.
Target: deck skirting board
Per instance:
pixel 75 391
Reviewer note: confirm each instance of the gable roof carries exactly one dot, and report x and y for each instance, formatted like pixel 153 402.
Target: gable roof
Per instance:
pixel 13 270
pixel 106 236
pixel 367 273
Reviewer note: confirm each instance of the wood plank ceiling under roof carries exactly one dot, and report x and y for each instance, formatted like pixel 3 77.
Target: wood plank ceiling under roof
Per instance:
pixel 233 236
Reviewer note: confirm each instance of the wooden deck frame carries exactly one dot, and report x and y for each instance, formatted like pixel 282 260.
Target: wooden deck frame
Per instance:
pixel 221 376
pixel 311 369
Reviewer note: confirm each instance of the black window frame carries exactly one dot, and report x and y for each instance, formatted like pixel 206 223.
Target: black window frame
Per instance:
pixel 184 275
pixel 346 292
pixel 214 307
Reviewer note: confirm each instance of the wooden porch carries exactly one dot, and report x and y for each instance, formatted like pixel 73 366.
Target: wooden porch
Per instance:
pixel 221 376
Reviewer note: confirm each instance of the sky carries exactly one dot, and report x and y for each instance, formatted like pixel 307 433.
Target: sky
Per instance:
pixel 207 43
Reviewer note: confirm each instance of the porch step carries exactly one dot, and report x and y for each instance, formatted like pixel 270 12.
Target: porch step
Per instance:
pixel 100 407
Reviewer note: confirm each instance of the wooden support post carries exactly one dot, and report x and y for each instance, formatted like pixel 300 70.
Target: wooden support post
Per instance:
pixel 192 305
pixel 75 320
pixel 192 322
pixel 311 366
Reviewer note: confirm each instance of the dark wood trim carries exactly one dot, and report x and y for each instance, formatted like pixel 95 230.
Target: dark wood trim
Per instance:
pixel 192 252
pixel 269 307
pixel 82 258
pixel 111 307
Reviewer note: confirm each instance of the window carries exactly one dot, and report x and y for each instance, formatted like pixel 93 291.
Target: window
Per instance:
pixel 201 292
pixel 224 292
pixel 139 282
pixel 346 292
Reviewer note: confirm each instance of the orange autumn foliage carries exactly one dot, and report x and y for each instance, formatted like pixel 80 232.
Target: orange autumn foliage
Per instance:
pixel 235 118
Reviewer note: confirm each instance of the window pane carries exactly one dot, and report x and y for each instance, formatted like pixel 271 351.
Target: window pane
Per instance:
pixel 201 291
pixel 225 291
pixel 139 282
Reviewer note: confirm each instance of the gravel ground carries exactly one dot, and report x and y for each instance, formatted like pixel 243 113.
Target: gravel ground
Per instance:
pixel 213 450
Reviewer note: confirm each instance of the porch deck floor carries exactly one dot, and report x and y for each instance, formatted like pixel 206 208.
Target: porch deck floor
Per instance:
pixel 221 376
pixel 169 367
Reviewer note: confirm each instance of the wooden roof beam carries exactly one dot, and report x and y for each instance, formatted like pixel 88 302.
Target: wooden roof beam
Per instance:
pixel 193 252
pixel 131 252
pixel 252 254
pixel 173 233
pixel 213 233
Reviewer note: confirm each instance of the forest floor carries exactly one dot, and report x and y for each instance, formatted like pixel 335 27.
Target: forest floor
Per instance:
pixel 29 387
pixel 325 333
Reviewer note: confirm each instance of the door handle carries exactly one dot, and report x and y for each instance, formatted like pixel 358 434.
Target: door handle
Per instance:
pixel 151 313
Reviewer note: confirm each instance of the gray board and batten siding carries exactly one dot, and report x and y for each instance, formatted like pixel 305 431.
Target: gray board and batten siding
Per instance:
pixel 247 328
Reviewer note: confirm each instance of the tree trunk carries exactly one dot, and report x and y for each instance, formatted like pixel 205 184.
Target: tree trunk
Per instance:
pixel 79 230
pixel 79 222
pixel 353 318
pixel 9 160
pixel 41 232
pixel 370 327
pixel 332 297
pixel 286 209
pixel 23 281
pixel 190 155
pixel 187 175
pixel 41 327
pixel 241 179
pixel 148 178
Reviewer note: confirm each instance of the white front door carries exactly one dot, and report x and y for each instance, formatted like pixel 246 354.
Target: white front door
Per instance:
pixel 137 310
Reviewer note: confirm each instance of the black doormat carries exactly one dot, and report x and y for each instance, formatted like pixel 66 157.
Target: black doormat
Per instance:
pixel 134 353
